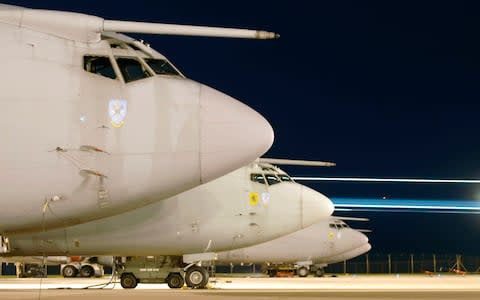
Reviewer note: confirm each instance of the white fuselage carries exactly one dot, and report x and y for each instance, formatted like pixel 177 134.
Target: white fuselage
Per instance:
pixel 319 243
pixel 77 146
pixel 227 213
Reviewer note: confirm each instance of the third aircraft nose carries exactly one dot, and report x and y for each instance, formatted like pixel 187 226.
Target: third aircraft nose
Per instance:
pixel 231 134
pixel 357 238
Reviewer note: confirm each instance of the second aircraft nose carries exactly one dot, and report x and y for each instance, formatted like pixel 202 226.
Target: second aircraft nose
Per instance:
pixel 315 206
pixel 231 134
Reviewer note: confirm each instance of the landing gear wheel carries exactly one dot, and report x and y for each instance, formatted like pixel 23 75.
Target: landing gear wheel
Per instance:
pixel 272 273
pixel 320 272
pixel 175 281
pixel 87 271
pixel 196 277
pixel 128 281
pixel 69 271
pixel 302 272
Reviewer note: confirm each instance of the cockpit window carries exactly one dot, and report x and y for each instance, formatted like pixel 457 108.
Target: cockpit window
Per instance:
pixel 100 65
pixel 272 179
pixel 257 178
pixel 131 69
pixel 268 169
pixel 284 177
pixel 161 66
pixel 338 225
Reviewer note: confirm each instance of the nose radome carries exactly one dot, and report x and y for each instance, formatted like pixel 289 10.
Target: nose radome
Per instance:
pixel 355 238
pixel 364 238
pixel 232 134
pixel 315 206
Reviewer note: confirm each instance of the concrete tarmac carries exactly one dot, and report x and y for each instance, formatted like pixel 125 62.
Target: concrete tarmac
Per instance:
pixel 376 287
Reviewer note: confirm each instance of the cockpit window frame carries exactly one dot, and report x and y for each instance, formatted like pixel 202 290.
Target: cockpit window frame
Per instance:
pixel 123 46
pixel 145 67
pixel 254 176
pixel 113 65
pixel 281 176
pixel 272 182
pixel 338 225
pixel 148 60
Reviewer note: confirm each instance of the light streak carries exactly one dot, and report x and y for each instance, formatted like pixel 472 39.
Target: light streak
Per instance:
pixel 406 205
pixel 397 180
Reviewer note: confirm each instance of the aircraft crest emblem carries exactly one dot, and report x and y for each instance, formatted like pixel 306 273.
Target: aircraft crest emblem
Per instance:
pixel 254 198
pixel 117 110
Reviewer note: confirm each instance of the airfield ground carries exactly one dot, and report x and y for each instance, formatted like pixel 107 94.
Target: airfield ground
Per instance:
pixel 420 287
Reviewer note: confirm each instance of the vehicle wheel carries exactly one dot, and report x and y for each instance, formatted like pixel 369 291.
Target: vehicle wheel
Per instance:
pixel 196 277
pixel 272 273
pixel 87 271
pixel 302 272
pixel 320 272
pixel 69 271
pixel 175 281
pixel 128 281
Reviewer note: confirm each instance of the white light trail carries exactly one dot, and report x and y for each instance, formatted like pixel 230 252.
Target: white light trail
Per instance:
pixel 407 206
pixel 396 180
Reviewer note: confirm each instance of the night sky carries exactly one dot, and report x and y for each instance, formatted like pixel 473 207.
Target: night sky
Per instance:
pixel 382 88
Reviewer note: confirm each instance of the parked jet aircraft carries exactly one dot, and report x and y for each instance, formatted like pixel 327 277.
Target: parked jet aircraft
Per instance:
pixel 251 205
pixel 97 123
pixel 314 247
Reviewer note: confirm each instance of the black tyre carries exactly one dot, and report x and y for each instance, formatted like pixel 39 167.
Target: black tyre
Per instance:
pixel 196 277
pixel 87 271
pixel 272 272
pixel 320 272
pixel 302 272
pixel 69 271
pixel 128 281
pixel 175 281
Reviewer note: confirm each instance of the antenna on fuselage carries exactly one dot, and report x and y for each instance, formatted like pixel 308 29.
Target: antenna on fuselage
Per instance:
pixel 87 28
pixel 296 162
pixel 350 219
pixel 188 30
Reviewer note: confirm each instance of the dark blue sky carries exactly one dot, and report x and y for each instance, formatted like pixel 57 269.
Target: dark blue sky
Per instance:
pixel 382 88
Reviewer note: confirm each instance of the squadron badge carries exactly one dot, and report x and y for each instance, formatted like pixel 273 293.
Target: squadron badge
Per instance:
pixel 253 198
pixel 117 110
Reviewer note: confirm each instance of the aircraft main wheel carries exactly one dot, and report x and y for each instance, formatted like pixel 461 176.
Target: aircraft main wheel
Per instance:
pixel 272 273
pixel 302 272
pixel 196 277
pixel 128 281
pixel 175 281
pixel 69 271
pixel 87 271
pixel 320 272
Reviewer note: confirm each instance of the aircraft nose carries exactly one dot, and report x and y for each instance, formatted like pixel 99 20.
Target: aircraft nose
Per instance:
pixel 315 206
pixel 358 239
pixel 349 239
pixel 231 134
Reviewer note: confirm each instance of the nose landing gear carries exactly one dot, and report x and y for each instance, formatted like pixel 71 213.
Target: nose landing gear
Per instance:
pixel 4 244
